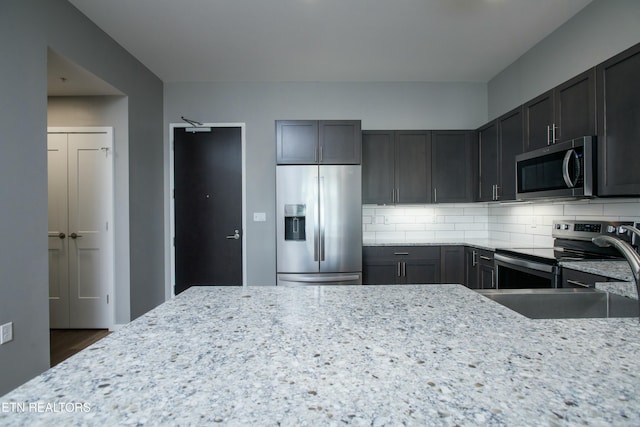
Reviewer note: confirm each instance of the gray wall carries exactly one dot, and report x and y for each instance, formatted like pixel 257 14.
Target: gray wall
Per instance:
pixel 27 28
pixel 109 111
pixel 601 30
pixel 378 105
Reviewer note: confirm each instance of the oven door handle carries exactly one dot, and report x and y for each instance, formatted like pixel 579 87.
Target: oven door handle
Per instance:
pixel 524 263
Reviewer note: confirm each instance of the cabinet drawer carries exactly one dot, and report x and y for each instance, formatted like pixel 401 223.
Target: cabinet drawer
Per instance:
pixel 391 253
pixel 580 279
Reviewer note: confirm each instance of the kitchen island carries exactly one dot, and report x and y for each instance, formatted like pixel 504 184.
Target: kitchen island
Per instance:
pixel 380 355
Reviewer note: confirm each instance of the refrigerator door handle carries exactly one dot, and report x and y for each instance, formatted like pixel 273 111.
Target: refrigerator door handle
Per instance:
pixel 316 222
pixel 322 202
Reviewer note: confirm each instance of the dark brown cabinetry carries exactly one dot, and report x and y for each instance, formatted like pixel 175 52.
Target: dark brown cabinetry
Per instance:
pixel 580 279
pixel 388 265
pixel 378 167
pixel 498 144
pixel 322 142
pixel 479 269
pixel 452 166
pixel 452 264
pixel 396 167
pixel 568 111
pixel 619 124
pixel 417 167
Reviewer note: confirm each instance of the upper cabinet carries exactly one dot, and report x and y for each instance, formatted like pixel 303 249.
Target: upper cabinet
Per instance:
pixel 318 142
pixel 565 112
pixel 417 166
pixel 396 167
pixel 452 168
pixel 619 124
pixel 499 142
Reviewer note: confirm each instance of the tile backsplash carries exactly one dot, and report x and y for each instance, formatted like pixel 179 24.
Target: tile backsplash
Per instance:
pixel 521 222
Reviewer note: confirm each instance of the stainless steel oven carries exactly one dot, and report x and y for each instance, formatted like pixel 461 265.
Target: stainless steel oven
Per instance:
pixel 516 270
pixel 563 170
pixel 521 268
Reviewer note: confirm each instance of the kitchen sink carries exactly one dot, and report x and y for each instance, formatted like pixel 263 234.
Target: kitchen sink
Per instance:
pixel 563 303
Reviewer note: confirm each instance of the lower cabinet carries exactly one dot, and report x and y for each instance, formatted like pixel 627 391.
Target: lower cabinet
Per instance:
pixel 479 268
pixel 388 265
pixel 452 264
pixel 580 279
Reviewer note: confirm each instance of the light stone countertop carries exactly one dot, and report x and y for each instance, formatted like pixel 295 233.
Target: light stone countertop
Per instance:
pixel 355 355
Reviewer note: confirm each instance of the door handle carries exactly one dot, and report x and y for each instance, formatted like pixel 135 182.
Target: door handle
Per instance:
pixel 74 235
pixel 61 235
pixel 234 236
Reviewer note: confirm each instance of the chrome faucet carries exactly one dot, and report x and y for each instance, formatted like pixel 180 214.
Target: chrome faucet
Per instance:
pixel 626 250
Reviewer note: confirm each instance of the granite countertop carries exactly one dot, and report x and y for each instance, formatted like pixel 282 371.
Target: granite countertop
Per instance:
pixel 488 244
pixel 333 355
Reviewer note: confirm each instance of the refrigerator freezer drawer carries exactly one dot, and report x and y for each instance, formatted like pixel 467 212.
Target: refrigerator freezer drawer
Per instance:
pixel 320 279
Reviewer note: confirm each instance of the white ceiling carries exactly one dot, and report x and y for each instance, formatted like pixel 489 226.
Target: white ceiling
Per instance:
pixel 328 40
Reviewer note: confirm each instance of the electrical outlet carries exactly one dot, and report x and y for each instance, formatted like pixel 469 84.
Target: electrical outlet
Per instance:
pixel 6 333
pixel 259 216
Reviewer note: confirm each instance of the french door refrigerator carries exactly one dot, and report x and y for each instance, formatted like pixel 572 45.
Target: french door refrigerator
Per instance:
pixel 319 224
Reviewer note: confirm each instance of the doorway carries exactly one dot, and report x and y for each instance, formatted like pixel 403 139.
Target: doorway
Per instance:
pixel 208 212
pixel 81 227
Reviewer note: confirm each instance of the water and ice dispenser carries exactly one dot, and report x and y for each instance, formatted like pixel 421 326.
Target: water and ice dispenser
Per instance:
pixel 294 222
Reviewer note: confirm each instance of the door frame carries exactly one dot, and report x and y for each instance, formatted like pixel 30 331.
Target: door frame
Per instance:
pixel 109 131
pixel 170 285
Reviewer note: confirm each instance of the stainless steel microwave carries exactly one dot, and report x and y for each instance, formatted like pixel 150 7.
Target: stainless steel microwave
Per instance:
pixel 563 170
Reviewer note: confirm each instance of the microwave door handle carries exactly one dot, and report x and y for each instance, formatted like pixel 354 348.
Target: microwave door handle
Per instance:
pixel 565 168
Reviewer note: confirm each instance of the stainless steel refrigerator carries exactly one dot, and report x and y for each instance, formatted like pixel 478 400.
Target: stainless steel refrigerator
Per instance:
pixel 319 224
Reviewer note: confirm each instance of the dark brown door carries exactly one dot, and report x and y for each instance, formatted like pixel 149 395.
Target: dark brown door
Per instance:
pixel 208 207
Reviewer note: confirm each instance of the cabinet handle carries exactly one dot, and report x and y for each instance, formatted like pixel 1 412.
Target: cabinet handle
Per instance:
pixel 497 192
pixel 493 279
pixel 393 195
pixel 435 195
pixel 404 269
pixel 398 195
pixel 548 135
pixel 401 253
pixel 485 258
pixel 553 133
pixel 575 282
pixel 474 258
pixel 320 149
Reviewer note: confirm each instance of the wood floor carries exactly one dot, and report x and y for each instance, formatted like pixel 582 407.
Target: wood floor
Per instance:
pixel 67 342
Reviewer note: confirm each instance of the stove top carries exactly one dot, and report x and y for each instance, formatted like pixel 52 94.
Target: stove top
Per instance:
pixel 572 242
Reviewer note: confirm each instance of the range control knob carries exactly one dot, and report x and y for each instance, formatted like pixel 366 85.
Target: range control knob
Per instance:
pixel 565 226
pixel 611 229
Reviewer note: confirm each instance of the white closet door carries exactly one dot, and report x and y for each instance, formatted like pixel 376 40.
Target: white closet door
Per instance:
pixel 58 232
pixel 81 201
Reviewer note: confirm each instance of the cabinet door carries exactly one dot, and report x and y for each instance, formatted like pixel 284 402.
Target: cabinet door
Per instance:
pixel 296 141
pixel 471 267
pixel 340 142
pixel 421 272
pixel 380 273
pixel 379 266
pixel 511 143
pixel 486 270
pixel 452 266
pixel 378 166
pixel 619 124
pixel 412 168
pixel 451 166
pixel 488 161
pixel 538 119
pixel 575 107
pixel 486 275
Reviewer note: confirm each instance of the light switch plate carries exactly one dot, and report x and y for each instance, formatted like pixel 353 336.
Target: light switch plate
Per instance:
pixel 6 333
pixel 259 216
